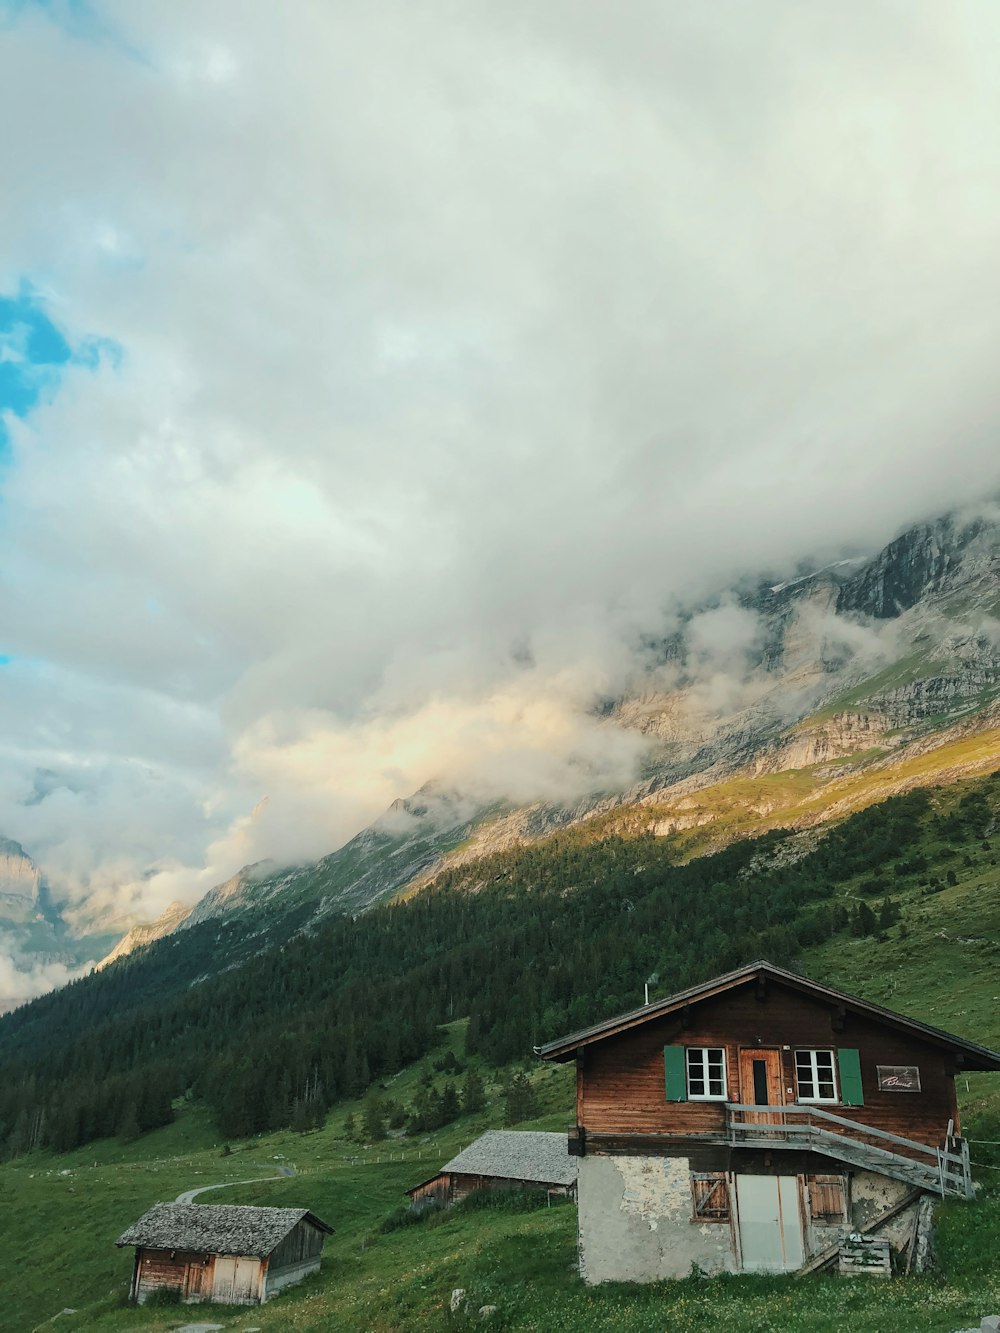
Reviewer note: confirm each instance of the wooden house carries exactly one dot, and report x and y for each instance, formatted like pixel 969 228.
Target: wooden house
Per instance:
pixel 225 1253
pixel 501 1159
pixel 752 1122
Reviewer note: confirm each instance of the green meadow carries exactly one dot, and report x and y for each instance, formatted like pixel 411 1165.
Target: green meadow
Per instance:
pixel 59 1216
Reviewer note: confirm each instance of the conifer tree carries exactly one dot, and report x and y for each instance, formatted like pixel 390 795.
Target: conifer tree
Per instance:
pixel 128 1124
pixel 473 1092
pixel 520 1101
pixel 373 1123
pixel 450 1108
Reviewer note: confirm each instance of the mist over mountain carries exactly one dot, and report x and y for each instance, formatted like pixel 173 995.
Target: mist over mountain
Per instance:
pixel 848 671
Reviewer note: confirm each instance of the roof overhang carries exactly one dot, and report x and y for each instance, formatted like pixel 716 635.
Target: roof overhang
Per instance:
pixel 318 1223
pixel 970 1054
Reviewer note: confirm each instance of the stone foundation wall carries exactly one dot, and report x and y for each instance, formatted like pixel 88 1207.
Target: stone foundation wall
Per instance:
pixel 635 1222
pixel 872 1194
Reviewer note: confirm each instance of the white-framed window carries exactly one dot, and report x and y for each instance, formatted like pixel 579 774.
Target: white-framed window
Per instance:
pixel 706 1073
pixel 815 1075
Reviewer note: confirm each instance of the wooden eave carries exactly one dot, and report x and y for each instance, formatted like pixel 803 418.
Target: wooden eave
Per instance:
pixel 318 1223
pixel 972 1056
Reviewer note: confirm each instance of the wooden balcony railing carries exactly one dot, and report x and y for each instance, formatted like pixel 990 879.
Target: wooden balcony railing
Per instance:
pixel 945 1170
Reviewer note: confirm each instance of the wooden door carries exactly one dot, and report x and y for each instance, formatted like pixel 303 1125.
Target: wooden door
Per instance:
pixel 761 1083
pixel 245 1281
pixel 225 1279
pixel 194 1281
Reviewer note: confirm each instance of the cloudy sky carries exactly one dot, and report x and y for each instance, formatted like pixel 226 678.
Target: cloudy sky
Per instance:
pixel 373 371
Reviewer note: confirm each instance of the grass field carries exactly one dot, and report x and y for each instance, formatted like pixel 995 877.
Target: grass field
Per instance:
pixel 524 1263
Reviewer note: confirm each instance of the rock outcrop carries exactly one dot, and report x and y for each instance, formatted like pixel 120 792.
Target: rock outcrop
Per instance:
pixel 170 920
pixel 20 882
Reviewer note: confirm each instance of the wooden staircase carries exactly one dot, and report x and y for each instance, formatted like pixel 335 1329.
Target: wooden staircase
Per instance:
pixel 944 1171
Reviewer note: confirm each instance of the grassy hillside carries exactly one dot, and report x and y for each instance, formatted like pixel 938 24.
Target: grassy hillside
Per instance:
pixel 744 806
pixel 59 1215
pixel 933 857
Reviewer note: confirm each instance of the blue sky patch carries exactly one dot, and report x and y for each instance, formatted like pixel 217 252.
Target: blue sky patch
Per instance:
pixel 34 355
pixel 77 16
pixel 81 19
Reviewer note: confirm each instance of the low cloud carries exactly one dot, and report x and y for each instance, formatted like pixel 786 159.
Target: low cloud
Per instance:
pixel 23 978
pixel 533 740
pixel 850 644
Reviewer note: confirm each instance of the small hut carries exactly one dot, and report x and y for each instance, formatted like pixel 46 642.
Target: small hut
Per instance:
pixel 225 1253
pixel 501 1159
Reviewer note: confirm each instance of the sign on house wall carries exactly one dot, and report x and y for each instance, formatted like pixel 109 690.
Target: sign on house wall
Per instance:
pixel 898 1078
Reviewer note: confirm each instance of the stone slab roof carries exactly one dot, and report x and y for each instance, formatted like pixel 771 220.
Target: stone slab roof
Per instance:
pixel 517 1154
pixel 216 1228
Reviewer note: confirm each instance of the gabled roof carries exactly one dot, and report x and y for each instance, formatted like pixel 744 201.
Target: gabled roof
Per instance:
pixel 216 1228
pixel 975 1056
pixel 515 1154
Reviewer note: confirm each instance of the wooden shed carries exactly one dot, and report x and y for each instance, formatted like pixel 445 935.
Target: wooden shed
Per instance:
pixel 226 1253
pixel 501 1159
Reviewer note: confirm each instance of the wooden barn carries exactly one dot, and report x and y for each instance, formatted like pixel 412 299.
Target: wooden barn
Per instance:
pixel 754 1122
pixel 225 1253
pixel 501 1159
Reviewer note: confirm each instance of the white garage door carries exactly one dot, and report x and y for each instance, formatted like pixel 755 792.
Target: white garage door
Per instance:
pixel 770 1224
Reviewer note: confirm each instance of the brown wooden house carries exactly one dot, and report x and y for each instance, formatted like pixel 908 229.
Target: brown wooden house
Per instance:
pixel 226 1253
pixel 501 1159
pixel 749 1123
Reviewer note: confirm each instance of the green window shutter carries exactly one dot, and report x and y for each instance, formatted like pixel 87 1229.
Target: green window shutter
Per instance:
pixel 676 1073
pixel 849 1063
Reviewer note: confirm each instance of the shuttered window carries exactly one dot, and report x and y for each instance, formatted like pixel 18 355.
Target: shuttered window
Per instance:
pixel 849 1065
pixel 674 1072
pixel 709 1196
pixel 827 1198
pixel 697 1073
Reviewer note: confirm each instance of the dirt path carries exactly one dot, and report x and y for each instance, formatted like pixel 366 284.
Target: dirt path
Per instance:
pixel 189 1196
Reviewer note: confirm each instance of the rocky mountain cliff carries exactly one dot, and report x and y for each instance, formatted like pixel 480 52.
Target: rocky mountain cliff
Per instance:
pixel 849 675
pixel 20 884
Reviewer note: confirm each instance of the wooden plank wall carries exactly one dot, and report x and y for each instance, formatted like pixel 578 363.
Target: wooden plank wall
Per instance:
pixel 621 1079
pixel 166 1269
pixel 463 1185
pixel 303 1242
pixel 437 1190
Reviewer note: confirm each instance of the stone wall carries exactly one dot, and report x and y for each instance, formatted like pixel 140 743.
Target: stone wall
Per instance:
pixel 872 1194
pixel 635 1222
